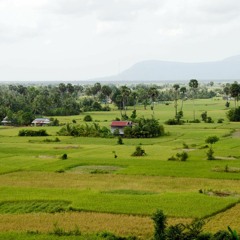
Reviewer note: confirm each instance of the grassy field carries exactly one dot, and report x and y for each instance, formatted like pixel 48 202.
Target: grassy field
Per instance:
pixel 97 192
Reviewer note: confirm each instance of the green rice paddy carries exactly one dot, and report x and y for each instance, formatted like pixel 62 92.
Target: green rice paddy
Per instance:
pixel 34 178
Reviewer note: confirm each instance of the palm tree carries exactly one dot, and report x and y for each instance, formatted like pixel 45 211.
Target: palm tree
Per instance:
pixel 176 87
pixel 193 84
pixel 235 92
pixel 153 94
pixel 183 91
pixel 125 92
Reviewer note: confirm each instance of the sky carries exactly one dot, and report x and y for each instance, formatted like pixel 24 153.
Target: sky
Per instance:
pixel 83 39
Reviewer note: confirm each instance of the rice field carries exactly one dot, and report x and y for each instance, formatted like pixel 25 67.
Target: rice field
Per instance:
pixel 97 192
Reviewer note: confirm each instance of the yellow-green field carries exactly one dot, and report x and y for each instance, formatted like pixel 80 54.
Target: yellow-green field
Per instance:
pixel 97 192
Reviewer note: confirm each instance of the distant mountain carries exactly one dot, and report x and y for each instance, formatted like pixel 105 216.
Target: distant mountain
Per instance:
pixel 154 70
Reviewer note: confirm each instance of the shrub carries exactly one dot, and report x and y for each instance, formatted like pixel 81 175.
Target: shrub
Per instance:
pixel 54 122
pixel 204 116
pixel 59 231
pixel 220 120
pixel 209 120
pixel 84 130
pixel 210 153
pixel 139 152
pixel 120 141
pixel 192 231
pixel 185 145
pixel 183 156
pixel 222 235
pixel 88 118
pixel 227 104
pixel 160 222
pixel 144 128
pixel 26 132
pixel 174 121
pixel 234 115
pixel 64 156
pixel 195 121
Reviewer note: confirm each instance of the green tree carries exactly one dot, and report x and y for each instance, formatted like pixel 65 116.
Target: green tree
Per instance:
pixel 183 91
pixel 211 140
pixel 176 93
pixel 125 92
pixel 235 92
pixel 160 224
pixel 153 94
pixel 193 84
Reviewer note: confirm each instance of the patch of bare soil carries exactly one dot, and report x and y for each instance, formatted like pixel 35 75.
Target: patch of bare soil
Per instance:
pixel 94 169
pixel 236 134
pixel 68 147
pixel 225 158
pixel 219 193
pixel 46 156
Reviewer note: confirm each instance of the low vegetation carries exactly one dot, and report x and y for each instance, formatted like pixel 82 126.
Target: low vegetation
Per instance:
pixel 83 175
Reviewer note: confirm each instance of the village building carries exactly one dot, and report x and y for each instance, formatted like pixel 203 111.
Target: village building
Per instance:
pixel 120 125
pixel 41 122
pixel 6 122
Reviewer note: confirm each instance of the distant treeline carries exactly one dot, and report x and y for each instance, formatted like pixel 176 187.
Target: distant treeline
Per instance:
pixel 21 104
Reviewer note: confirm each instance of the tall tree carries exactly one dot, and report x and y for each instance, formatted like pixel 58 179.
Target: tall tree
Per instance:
pixel 106 92
pixel 235 92
pixel 176 93
pixel 183 91
pixel 153 94
pixel 125 92
pixel 193 84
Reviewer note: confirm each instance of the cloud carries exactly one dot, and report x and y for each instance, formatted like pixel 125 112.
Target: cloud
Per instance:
pixel 20 19
pixel 106 10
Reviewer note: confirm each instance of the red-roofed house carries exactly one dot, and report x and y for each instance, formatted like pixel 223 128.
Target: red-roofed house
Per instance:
pixel 120 125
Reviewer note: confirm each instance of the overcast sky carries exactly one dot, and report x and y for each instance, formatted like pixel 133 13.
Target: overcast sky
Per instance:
pixel 83 39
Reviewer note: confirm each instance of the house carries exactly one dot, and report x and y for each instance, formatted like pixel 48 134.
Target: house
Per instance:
pixel 41 122
pixel 6 122
pixel 120 125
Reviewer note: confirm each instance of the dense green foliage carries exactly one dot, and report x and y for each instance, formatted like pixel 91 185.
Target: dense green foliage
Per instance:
pixel 192 231
pixel 100 175
pixel 21 104
pixel 84 130
pixel 144 128
pixel 234 114
pixel 27 132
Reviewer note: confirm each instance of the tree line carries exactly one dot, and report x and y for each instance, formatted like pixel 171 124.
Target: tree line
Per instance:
pixel 21 104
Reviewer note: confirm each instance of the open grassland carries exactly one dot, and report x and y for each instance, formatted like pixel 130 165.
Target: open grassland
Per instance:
pixel 97 192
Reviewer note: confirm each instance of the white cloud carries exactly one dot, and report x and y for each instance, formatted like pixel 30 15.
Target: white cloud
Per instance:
pixel 52 34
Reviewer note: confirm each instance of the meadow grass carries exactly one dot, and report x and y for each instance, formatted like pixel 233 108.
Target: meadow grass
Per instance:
pixel 34 178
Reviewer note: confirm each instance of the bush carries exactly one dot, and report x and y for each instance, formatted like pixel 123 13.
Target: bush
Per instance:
pixel 195 121
pixel 234 115
pixel 84 130
pixel 192 231
pixel 88 118
pixel 209 120
pixel 210 153
pixel 220 120
pixel 174 121
pixel 59 231
pixel 64 156
pixel 26 132
pixel 160 222
pixel 144 128
pixel 182 156
pixel 120 141
pixel 139 152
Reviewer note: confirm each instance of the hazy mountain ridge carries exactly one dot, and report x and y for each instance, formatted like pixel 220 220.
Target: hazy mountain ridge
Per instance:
pixel 156 70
